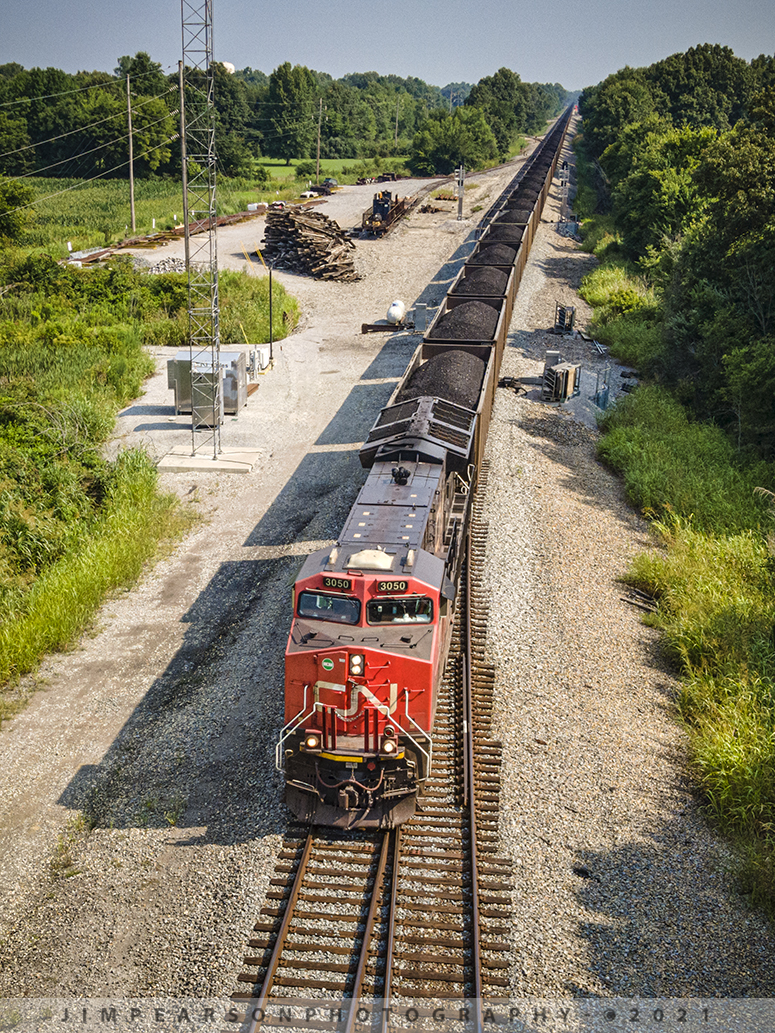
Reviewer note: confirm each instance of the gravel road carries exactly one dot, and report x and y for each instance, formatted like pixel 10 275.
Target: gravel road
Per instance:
pixel 160 726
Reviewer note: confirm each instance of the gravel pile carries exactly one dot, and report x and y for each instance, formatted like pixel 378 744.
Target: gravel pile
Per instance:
pixel 471 321
pixel 495 254
pixel 454 375
pixel 484 281
pixel 168 265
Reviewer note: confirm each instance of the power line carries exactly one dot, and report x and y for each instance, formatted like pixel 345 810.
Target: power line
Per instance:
pixel 83 154
pixel 81 89
pixel 84 129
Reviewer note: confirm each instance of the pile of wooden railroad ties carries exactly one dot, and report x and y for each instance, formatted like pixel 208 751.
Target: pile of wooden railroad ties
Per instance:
pixel 305 241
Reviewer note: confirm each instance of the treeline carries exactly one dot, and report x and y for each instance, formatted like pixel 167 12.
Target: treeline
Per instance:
pixel 56 124
pixel 686 151
pixel 684 159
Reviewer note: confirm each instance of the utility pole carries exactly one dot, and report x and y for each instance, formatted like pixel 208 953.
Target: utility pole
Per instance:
pixel 461 182
pixel 320 120
pixel 398 101
pixel 131 158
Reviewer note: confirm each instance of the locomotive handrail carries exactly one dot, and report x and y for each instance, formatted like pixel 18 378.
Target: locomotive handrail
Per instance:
pixel 427 754
pixel 289 728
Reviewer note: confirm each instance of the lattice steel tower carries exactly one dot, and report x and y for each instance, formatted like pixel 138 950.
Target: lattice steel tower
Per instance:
pixel 199 198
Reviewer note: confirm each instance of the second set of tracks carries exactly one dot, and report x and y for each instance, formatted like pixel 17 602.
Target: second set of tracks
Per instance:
pixel 417 914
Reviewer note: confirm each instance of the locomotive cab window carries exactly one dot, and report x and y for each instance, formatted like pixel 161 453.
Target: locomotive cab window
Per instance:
pixel 409 610
pixel 339 608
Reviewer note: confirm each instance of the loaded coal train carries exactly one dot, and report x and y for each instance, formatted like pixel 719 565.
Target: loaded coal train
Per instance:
pixel 372 616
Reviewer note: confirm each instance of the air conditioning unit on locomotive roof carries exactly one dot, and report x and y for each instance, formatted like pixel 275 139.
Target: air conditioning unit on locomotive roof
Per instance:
pixel 371 559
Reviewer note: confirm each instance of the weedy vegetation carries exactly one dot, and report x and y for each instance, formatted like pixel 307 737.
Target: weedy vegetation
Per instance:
pixel 74 525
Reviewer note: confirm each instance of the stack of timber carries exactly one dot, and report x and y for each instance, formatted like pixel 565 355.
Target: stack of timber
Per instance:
pixel 308 242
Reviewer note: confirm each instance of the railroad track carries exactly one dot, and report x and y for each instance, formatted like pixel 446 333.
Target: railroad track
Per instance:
pixel 417 914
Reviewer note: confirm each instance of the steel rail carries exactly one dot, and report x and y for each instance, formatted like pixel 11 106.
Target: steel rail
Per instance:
pixel 282 935
pixel 468 717
pixel 370 920
pixel 387 987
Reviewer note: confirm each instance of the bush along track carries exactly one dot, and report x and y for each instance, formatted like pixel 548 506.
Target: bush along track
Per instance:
pixel 713 572
pixel 73 525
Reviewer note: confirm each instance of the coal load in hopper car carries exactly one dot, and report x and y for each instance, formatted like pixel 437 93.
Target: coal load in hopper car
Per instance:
pixel 496 254
pixel 471 321
pixel 455 376
pixel 512 217
pixel 483 281
pixel 506 231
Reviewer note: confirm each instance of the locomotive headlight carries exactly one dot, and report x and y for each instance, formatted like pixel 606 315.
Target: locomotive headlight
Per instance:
pixel 312 742
pixel 356 664
pixel 389 746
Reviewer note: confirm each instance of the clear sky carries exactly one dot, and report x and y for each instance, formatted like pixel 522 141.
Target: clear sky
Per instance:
pixel 571 42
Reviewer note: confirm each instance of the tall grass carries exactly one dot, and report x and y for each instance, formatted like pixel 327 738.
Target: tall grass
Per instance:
pixel 104 556
pixel 714 577
pixel 74 526
pixel 716 611
pixel 97 214
pixel 674 465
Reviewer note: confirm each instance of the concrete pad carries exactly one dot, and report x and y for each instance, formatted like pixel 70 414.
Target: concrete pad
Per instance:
pixel 229 460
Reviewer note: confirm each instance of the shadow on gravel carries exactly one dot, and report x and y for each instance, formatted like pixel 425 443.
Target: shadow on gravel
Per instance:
pixel 436 290
pixel 169 425
pixel 186 759
pixel 148 410
pixel 320 494
pixel 670 921
pixel 570 271
pixel 393 358
pixel 198 751
pixel 352 423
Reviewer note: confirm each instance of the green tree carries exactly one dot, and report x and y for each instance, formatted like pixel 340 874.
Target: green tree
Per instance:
pixel 16 155
pixel 446 141
pixel 503 100
pixel 291 122
pixel 145 75
pixel 621 99
pixel 15 210
pixel 655 194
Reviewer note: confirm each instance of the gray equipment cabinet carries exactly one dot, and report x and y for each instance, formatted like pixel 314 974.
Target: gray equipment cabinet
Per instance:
pixel 234 384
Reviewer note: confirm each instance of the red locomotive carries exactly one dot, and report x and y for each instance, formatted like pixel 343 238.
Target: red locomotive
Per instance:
pixel 373 615
pixel 372 622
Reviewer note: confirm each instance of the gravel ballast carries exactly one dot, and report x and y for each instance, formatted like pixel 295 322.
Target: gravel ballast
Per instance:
pixel 160 727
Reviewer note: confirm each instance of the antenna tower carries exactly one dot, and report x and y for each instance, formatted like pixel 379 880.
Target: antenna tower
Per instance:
pixel 197 116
